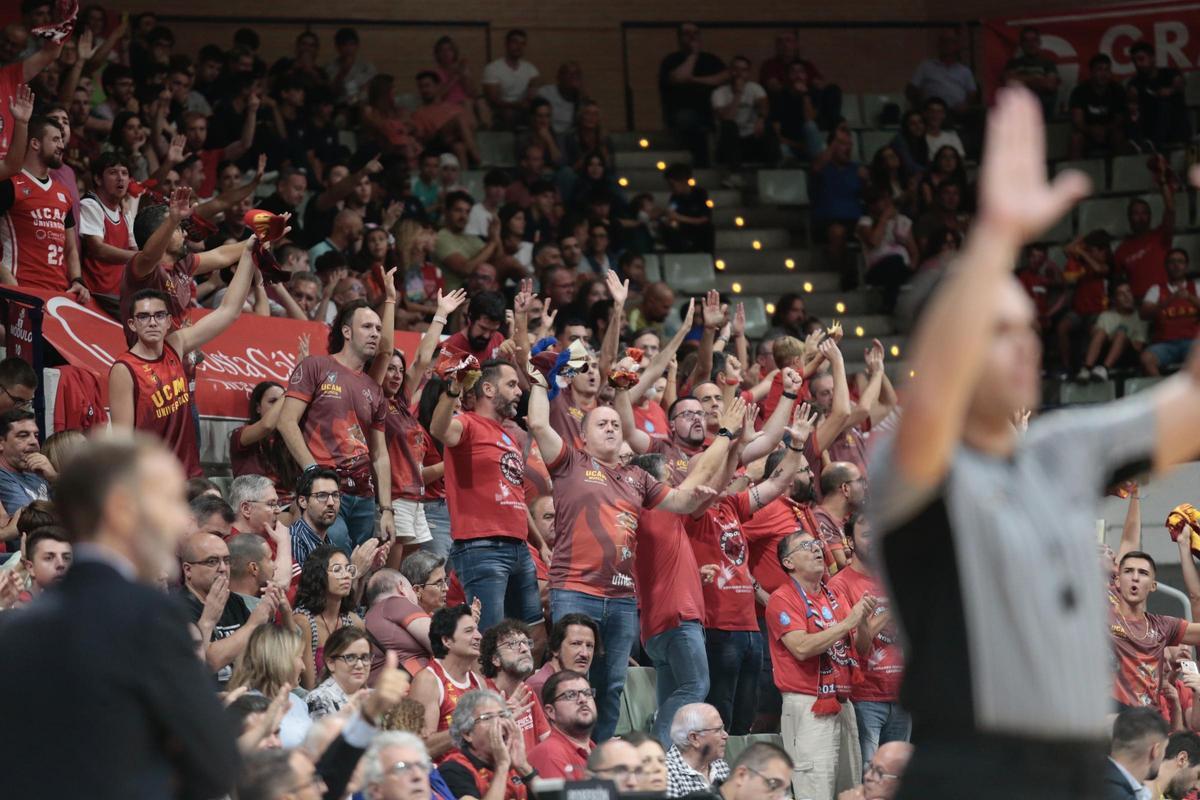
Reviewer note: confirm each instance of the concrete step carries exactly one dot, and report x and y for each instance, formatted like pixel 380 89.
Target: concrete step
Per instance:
pixel 772 261
pixel 650 159
pixel 720 197
pixel 776 283
pixel 825 304
pixel 624 141
pixel 753 239
pixel 757 216
pixel 650 180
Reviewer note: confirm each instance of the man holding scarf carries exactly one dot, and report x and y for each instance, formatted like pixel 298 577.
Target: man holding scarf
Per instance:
pixel 810 639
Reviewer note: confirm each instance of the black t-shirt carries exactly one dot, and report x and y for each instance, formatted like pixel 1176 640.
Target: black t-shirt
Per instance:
pixel 694 96
pixel 1148 87
pixel 234 616
pixel 787 108
pixel 1100 107
pixel 692 204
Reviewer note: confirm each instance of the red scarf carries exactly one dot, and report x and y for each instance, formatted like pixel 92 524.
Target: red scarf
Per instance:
pixel 835 671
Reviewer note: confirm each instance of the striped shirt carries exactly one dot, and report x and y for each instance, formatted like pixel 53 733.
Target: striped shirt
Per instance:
pixel 304 541
pixel 994 576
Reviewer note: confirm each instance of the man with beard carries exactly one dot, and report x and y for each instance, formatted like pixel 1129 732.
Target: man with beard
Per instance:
pixel 843 491
pixel 1180 770
pixel 37 249
pixel 506 659
pixel 570 705
pixel 319 498
pixel 482 334
pixel 810 640
pixel 485 492
pixel 106 226
pixel 1139 738
pixel 342 411
pixel 574 640
pixel 848 443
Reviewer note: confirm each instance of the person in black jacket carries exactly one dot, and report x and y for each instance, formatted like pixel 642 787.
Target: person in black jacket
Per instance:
pixel 1139 740
pixel 112 701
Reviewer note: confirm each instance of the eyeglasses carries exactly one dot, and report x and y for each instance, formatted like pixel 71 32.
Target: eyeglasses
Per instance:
pixel 273 504
pixel 352 658
pixel 325 497
pixel 401 767
pixel 211 562
pixel 875 771
pixel 709 730
pixel 346 569
pixel 688 415
pixel 776 786
pixel 620 771
pixel 518 644
pixel 807 544
pixel 573 695
pixel 145 316
pixel 442 584
pixel 18 402
pixel 487 715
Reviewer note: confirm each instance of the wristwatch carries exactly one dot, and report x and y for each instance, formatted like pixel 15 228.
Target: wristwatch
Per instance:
pixel 728 434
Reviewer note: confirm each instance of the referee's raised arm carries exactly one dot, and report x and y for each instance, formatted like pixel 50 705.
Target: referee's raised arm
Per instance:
pixel 1016 204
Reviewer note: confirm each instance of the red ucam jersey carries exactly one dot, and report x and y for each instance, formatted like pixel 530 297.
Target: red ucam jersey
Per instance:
pixel 114 226
pixel 33 231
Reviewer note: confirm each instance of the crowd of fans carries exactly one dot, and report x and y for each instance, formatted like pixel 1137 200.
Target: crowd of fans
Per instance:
pixel 432 570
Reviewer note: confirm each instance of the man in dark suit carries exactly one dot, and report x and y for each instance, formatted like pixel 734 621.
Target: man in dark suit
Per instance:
pixel 1139 741
pixel 106 697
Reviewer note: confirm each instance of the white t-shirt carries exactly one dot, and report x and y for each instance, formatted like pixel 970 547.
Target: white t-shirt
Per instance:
pixel 92 214
pixel 746 114
pixel 513 82
pixel 897 231
pixel 943 139
pixel 478 220
pixel 562 110
pixel 1155 291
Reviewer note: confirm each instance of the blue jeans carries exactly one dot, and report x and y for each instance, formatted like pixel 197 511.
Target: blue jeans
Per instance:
pixel 501 574
pixel 681 671
pixel 770 701
pixel 734 662
pixel 355 523
pixel 437 516
pixel 880 723
pixel 618 621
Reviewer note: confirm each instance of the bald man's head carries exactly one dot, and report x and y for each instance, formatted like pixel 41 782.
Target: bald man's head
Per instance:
pixel 881 781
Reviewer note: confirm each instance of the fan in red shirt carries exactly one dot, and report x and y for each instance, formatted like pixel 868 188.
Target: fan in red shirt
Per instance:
pixel 106 226
pixel 1142 256
pixel 1089 262
pixel 38 251
pixel 876 692
pixel 570 706
pixel 506 660
pixel 1174 307
pixel 13 78
pixel 482 335
pixel 454 639
pixel 147 387
pixel 1043 280
pixel 195 128
pixel 597 503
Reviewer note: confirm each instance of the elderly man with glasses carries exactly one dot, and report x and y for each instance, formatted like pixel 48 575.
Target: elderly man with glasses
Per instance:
pixel 696 759
pixel 881 781
pixel 255 505
pixel 489 760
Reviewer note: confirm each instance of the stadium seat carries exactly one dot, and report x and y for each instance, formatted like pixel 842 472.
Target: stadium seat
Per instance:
pixel 639 700
pixel 756 316
pixel 653 267
pixel 852 112
pixel 1105 212
pixel 497 148
pixel 1129 174
pixel 1101 392
pixel 873 142
pixel 873 106
pixel 736 745
pixel 785 187
pixel 691 273
pixel 1092 167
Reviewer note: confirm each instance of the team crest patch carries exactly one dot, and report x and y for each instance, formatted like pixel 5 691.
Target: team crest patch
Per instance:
pixel 784 619
pixel 25 190
pixel 61 197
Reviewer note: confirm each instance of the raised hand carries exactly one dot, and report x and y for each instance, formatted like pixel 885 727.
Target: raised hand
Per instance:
pixel 618 289
pixel 390 688
pixel 804 421
pixel 874 357
pixel 373 167
pixel 180 205
pixel 733 371
pixel 389 286
pixel 739 320
pixel 791 380
pixel 21 103
pixel 448 304
pixel 362 555
pixel 175 151
pixel 709 572
pixel 524 297
pixel 214 601
pixel 86 46
pixel 302 347
pixel 689 317
pixel 260 167
pixel 713 314
pixel 733 415
pixel 830 350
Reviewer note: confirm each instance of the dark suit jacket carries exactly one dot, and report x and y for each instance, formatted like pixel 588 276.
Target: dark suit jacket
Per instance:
pixel 105 699
pixel 1115 786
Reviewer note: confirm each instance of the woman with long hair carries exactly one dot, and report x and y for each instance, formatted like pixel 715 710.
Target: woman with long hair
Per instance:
pixel 910 143
pixel 273 659
pixel 386 122
pixel 324 604
pixel 888 174
pixel 347 667
pixel 946 166
pixel 593 179
pixel 256 448
pixel 130 137
pixel 587 137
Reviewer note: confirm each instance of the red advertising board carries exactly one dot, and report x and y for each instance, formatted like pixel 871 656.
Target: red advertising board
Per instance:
pixel 252 350
pixel 1071 38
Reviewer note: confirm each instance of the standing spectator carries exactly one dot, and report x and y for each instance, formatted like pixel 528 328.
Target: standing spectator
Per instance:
pixel 457 252
pixel 106 226
pixel 347 665
pixel 945 77
pixel 17 71
pixel 1098 112
pixel 574 640
pixel 570 706
pixel 38 251
pixel 1032 67
pixel 793 116
pixel 837 184
pixel 1139 739
pixel 933 112
pixel 195 128
pixel 344 236
pixel 696 759
pixel 787 67
pixel 741 111
pixel 509 83
pixel 1159 92
pixel 290 188
pixel 1121 329
pixel 1089 262
pixel 843 492
pixel 689 226
pixel 506 660
pixel 564 96
pixel 488 760
pixel 454 639
pixel 1174 308
pixel 342 412
pixel 876 695
pixel 813 658
pixel 1142 257
pixel 256 448
pixel 24 472
pixel 686 79
pixel 126 517
pixel 324 605
pixel 118 84
pixel 348 75
pixel 395 622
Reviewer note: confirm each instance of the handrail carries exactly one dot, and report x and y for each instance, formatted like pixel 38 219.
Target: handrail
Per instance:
pixel 1175 594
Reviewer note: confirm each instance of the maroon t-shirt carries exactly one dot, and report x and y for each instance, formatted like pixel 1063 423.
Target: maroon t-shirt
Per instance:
pixel 406 443
pixel 717 539
pixel 566 418
pixel 676 455
pixel 344 405
pixel 388 622
pixel 458 341
pixel 176 283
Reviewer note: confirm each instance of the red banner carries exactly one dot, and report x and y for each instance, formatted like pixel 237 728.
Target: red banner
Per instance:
pixel 252 350
pixel 1071 38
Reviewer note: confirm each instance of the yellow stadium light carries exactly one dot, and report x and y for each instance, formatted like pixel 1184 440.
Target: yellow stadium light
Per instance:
pixel 790 263
pixel 661 165
pixel 719 263
pixel 770 308
pixel 895 350
pixel 807 286
pixel 691 181
pixel 912 373
pixel 737 288
pixel 643 143
pixel 709 203
pixel 858 331
pixel 756 244
pixel 841 307
pixel 739 221
pixel 623 181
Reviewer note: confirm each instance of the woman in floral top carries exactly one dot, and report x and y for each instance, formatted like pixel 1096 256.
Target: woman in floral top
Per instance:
pixel 347 666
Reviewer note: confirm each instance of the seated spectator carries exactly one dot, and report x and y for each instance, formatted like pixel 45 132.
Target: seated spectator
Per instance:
pixel 343 238
pixel 944 77
pixel 586 137
pixel 653 757
pixel 946 166
pixel 509 83
pixel 1142 257
pixel 888 173
pixel 324 605
pixel 395 622
pixel 256 508
pixel 1162 109
pixel 489 750
pixel 1174 308
pixel 251 567
pixel 945 213
pixel 910 143
pixel 933 112
pixel 426 572
pixel 883 774
pixel 457 85
pixel 599 256
pixel 573 643
pixel 789 317
pixel 421 279
pixel 18 384
pixel 569 702
pixel 793 117
pixel 506 660
pixel 1043 280
pixel 397 767
pixel 741 111
pixel 779 72
pixel 448 678
pixel 495 185
pixel 541 132
pixel 515 259
pixel 1033 68
pixel 594 182
pixel 25 473
pixel 686 79
pixel 348 74
pixel 485 278
pixel 888 245
pixel 689 226
pixel 564 96
pixel 1098 112
pixel 256 448
pixel 347 666
pixel 456 251
pixel 318 500
pixel 1180 768
pixel 1119 333
pixel 1089 263
pixel 388 124
pixel 837 182
pixel 1139 739
pixel 118 84
pixel 424 183
pixel 696 759
pixel 531 168
pixel 271 661
pixel 203 487
pixel 46 558
pixel 618 761
pixel 211 514
pixel 440 123
pixel 544 213
pixel 652 315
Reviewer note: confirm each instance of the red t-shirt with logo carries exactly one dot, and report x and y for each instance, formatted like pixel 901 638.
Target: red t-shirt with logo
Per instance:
pixel 1139 650
pixel 114 227
pixel 406 443
pixel 537 477
pixel 596 518
pixel 1144 260
pixel 344 406
pixel 668 577
pixel 677 457
pixel 485 475
pixel 1178 318
pixel 763 531
pixel 33 231
pixel 175 282
pixel 459 342
pixel 652 419
pixel 787 612
pixel 717 539
pixel 878 679
pixel 162 404
pixel 1091 288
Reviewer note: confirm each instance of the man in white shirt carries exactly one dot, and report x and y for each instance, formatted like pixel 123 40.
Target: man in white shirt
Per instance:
pixel 495 184
pixel 937 137
pixel 564 96
pixel 509 83
pixel 348 75
pixel 740 107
